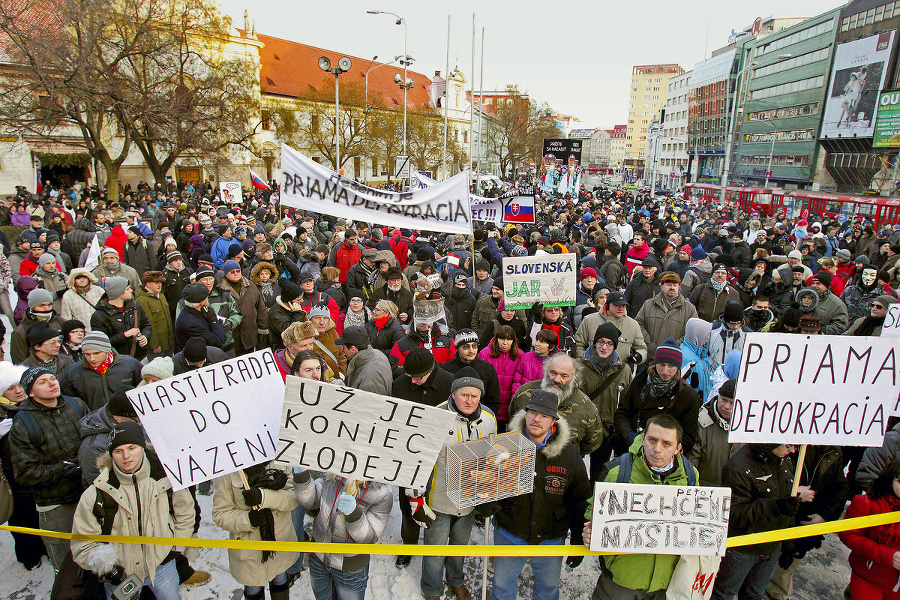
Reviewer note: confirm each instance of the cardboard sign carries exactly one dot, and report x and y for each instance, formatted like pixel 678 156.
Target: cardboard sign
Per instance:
pixel 215 420
pixel 360 435
pixel 549 279
pixel 660 519
pixel 891 326
pixel 230 191
pixel 819 389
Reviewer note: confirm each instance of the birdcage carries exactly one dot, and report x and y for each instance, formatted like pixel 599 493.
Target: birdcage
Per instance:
pixel 490 469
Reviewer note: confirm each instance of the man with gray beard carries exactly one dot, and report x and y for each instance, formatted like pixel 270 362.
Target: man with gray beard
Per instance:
pixel 561 377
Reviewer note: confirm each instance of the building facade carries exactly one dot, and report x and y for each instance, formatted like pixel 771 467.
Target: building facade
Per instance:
pixel 617 140
pixel 649 86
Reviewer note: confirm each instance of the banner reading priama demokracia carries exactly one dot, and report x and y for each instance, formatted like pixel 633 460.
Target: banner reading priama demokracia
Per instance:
pixel 307 185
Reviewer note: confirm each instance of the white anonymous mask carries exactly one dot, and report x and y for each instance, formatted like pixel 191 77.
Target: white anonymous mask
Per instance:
pixel 868 276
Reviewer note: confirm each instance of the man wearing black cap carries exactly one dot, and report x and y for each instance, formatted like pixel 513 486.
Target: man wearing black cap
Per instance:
pixel 482 282
pixel 546 515
pixel 631 347
pixel 177 277
pixel 728 334
pixel 368 369
pixel 643 285
pixel 44 344
pixel 197 319
pixel 466 345
pixel 137 252
pixel 362 274
pixel 710 298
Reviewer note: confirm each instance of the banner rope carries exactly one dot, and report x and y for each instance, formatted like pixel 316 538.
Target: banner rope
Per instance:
pixel 458 550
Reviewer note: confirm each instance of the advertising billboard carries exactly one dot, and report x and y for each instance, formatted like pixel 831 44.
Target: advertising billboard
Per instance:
pixel 887 122
pixel 860 68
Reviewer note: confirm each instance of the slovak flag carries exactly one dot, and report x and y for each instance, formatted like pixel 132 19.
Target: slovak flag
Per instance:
pixel 38 188
pixel 257 182
pixel 519 210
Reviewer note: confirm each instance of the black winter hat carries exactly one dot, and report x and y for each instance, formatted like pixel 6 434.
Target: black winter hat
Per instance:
pixel 39 333
pixel 290 291
pixel 125 433
pixel 119 406
pixel 194 350
pixel 608 331
pixel 419 363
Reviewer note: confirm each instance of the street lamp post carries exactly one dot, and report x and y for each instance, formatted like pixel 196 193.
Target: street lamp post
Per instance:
pixel 342 67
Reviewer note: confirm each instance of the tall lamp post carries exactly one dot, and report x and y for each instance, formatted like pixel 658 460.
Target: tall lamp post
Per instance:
pixel 342 67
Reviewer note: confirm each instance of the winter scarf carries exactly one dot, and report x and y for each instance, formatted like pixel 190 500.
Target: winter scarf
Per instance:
pixel 267 479
pixel 658 387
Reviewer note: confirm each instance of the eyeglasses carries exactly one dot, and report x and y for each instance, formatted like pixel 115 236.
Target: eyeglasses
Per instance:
pixel 603 344
pixel 878 306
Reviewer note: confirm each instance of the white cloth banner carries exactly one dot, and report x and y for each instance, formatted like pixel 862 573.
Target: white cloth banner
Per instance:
pixel 634 518
pixel 891 326
pixel 215 420
pixel 515 206
pixel 819 389
pixel 307 185
pixel 549 279
pixel 360 435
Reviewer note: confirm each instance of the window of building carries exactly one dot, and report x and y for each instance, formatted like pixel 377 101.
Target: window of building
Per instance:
pixel 266 120
pixel 374 168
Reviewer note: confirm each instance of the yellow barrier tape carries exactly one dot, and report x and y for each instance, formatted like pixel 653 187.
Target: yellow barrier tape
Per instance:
pixel 423 550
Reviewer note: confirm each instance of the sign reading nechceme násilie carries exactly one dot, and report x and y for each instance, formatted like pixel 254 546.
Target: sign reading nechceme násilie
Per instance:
pixel 550 279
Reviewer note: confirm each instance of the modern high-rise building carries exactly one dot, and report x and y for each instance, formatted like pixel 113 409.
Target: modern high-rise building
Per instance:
pixel 649 87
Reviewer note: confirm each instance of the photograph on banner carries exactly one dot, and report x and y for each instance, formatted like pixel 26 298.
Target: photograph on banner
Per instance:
pixel 561 165
pixel 215 420
pixel 891 326
pixel 514 206
pixel 631 518
pixel 550 279
pixel 821 389
pixel 360 435
pixel 230 191
pixel 307 185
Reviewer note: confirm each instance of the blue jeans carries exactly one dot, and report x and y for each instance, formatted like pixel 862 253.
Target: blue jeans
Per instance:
pixel 252 590
pixel 165 584
pixel 327 581
pixel 297 516
pixel 546 570
pixel 445 529
pixel 744 574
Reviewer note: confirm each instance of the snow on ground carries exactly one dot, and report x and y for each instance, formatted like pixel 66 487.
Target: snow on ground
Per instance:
pixel 823 575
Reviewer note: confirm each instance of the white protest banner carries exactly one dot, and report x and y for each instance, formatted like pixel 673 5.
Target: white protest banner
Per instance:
pixel 215 420
pixel 549 279
pixel 891 326
pixel 230 191
pixel 819 389
pixel 360 435
pixel 686 520
pixel 515 206
pixel 307 185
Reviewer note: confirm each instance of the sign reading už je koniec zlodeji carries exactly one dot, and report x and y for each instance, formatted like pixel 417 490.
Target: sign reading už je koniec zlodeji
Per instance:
pixel 214 420
pixel 550 279
pixel 360 435
pixel 815 389
pixel 660 519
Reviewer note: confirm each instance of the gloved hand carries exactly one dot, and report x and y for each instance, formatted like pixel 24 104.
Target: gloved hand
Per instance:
pixel 209 314
pixel 346 503
pixel 70 468
pixel 5 425
pixel 634 358
pixel 257 519
pixel 252 497
pixel 114 577
pixel 421 512
pixel 573 561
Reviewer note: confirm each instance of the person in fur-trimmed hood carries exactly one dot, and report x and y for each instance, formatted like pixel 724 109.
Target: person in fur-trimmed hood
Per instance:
pixel 132 478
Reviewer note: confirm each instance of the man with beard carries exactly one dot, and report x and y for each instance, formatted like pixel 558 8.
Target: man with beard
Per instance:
pixel 362 275
pixel 657 390
pixel 111 266
pixel 394 291
pixel 872 324
pixel 859 296
pixel 561 376
pixel 466 343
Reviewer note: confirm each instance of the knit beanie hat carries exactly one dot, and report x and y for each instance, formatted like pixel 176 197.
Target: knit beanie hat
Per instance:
pixel 39 333
pixel 230 265
pixel 419 363
pixel 698 253
pixel 46 258
pixel 70 326
pixel 115 287
pixel 734 311
pixel 10 374
pixel 290 291
pixel 161 367
pixel 96 341
pixel 318 310
pixel 119 406
pixel 194 350
pixel 608 331
pixel 729 388
pixel 32 373
pixel 467 377
pixel 465 336
pixel 234 250
pixel 38 296
pixel 668 352
pixel 125 433
pixel 825 278
pixel 588 272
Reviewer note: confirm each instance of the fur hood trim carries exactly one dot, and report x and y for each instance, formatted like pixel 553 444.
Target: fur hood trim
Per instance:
pixel 555 447
pixel 254 273
pixel 70 281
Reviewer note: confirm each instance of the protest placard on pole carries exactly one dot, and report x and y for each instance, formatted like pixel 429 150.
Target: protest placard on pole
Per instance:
pixel 820 389
pixel 550 279
pixel 660 519
pixel 230 191
pixel 360 435
pixel 215 420
pixel 891 326
pixel 307 185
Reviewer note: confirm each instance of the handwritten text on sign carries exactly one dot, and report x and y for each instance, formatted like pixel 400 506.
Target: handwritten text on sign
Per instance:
pixel 660 519
pixel 215 420
pixel 360 435
pixel 820 389
pixel 549 279
pixel 891 326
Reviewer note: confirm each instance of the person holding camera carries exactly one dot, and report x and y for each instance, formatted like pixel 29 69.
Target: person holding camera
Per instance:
pixel 132 496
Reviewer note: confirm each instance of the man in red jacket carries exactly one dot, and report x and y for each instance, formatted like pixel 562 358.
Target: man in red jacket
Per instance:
pixel 345 255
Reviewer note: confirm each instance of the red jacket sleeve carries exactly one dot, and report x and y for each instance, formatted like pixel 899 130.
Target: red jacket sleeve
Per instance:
pixel 857 539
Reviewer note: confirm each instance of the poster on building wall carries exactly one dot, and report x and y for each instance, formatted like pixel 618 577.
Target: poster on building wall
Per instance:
pixel 859 71
pixel 887 121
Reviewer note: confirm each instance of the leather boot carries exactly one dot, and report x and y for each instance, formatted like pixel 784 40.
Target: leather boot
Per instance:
pixel 260 596
pixel 279 591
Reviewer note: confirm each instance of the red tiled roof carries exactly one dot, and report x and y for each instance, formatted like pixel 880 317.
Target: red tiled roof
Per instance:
pixel 292 69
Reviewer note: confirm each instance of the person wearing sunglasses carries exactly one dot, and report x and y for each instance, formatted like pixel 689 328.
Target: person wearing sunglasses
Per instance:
pixel 871 324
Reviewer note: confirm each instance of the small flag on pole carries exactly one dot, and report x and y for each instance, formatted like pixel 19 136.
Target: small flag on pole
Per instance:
pixel 257 182
pixel 38 188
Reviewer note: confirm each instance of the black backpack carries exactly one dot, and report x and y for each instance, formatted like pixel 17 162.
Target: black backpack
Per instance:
pixel 31 425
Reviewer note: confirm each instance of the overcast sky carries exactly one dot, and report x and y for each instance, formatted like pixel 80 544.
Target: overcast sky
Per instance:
pixel 576 56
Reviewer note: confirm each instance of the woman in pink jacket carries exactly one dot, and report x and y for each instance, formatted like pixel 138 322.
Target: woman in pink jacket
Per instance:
pixel 531 367
pixel 503 352
pixel 875 551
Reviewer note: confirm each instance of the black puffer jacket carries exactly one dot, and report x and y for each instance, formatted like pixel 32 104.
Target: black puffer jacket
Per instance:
pixel 459 310
pixel 95 428
pixel 385 338
pixel 81 381
pixel 560 496
pixel 39 468
pixel 761 498
pixel 114 323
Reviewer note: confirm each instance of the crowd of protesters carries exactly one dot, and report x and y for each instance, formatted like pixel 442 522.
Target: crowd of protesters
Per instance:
pixel 633 384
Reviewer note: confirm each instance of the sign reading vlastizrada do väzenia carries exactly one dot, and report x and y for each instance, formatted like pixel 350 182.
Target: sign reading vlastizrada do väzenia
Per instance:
pixel 818 389
pixel 550 279
pixel 309 186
